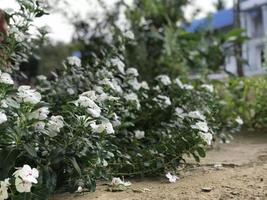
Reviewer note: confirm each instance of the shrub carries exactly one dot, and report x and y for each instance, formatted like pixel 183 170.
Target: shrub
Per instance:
pixel 154 125
pixel 245 97
pixel 97 119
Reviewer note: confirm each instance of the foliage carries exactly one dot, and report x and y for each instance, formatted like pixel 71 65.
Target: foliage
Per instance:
pixel 156 41
pixel 96 118
pixel 19 43
pixel 245 97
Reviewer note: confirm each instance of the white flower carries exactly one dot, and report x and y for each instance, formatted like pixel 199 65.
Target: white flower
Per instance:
pixel 74 60
pixel 40 113
pixel 104 163
pixel 183 86
pixel 139 134
pixel 80 189
pixel 188 87
pixel 105 125
pixel 104 96
pixel 209 88
pixel 27 173
pixel 22 186
pixel 202 126
pixel 144 85
pixel 4 189
pixel 117 181
pixel 6 78
pixel 163 99
pixel 25 176
pixel 70 91
pixel 129 34
pixel 88 103
pixel 134 83
pixel 39 126
pixel 108 127
pixel 133 97
pixel 119 64
pixel 179 83
pixel 3 118
pixel 172 178
pixel 98 89
pixel 90 94
pixel 164 79
pixel 55 123
pixel 19 36
pixel 179 112
pixel 239 120
pixel 41 78
pixel 26 94
pixel 116 121
pixel 196 115
pixel 132 72
pixel 114 85
pixel 4 103
pixel 207 137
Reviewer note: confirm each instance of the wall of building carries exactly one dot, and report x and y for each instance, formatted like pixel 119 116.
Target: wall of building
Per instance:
pixel 254 21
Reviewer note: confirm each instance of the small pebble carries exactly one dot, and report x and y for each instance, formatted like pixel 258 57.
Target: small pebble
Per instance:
pixel 206 189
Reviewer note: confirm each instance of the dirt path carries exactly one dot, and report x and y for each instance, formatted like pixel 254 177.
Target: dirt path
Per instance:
pixel 243 176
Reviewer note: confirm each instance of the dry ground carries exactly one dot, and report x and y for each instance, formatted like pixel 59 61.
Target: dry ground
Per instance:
pixel 242 177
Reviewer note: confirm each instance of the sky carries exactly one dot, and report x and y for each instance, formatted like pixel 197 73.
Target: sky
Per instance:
pixel 61 30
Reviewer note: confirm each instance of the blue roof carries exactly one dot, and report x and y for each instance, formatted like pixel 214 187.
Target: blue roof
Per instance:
pixel 221 19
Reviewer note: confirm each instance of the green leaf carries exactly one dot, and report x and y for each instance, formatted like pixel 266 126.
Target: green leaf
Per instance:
pixel 75 165
pixel 196 157
pixel 8 158
pixel 30 150
pixel 201 152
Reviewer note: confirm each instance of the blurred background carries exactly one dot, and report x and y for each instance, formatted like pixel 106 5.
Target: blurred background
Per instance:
pixel 207 38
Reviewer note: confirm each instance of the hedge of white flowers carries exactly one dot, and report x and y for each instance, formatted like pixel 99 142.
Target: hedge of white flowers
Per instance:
pixel 98 120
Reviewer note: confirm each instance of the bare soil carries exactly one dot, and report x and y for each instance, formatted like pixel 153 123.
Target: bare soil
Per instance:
pixel 243 176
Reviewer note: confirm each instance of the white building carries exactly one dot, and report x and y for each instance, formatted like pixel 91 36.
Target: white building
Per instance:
pixel 253 19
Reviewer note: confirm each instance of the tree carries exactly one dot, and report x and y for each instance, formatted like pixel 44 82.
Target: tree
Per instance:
pixel 220 5
pixel 238 46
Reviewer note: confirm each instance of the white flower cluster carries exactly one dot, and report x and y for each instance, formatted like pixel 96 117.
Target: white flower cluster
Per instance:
pixel 119 64
pixel 172 178
pixel 164 79
pixel 28 95
pixel 18 35
pixel 86 101
pixel 207 87
pixel 3 117
pixel 113 84
pixel 132 97
pixel 183 86
pixel 103 126
pixel 25 177
pixel 5 78
pixel 39 114
pixel 55 123
pixel 239 120
pixel 117 181
pixel 163 101
pixel 200 125
pixel 204 131
pixel 4 189
pixel 139 134
pixel 74 61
